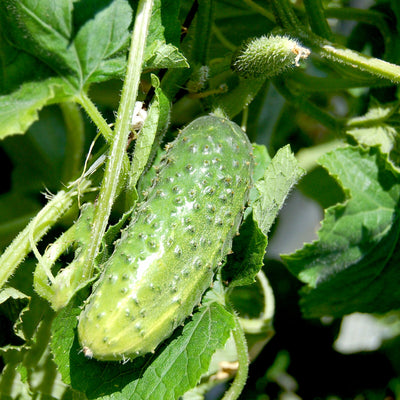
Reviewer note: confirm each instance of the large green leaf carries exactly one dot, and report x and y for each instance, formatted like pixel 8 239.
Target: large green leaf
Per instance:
pixel 54 50
pixel 158 376
pixel 47 31
pixel 353 266
pixel 272 189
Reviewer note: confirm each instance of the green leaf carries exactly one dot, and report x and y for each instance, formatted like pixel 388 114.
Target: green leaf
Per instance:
pixel 60 48
pixel 378 127
pixel 46 30
pixel 41 30
pixel 163 55
pixel 19 109
pixel 12 384
pixel 149 137
pixel 165 25
pixel 280 176
pixel 157 376
pixel 163 37
pixel 261 161
pixel 101 39
pixel 12 301
pixel 354 263
pixel 248 255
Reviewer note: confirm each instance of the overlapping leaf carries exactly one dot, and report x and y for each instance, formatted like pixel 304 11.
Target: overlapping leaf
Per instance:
pixel 353 266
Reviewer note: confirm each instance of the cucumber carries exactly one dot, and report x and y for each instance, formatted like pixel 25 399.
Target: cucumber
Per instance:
pixel 268 56
pixel 167 257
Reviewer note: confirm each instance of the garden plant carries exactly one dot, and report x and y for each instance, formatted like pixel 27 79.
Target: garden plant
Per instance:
pixel 199 199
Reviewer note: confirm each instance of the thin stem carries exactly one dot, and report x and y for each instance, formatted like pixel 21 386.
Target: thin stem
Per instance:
pixel 75 140
pixel 95 116
pixel 243 358
pixel 317 19
pixel 224 41
pixel 285 15
pixel 370 17
pixel 260 10
pixel 35 230
pixel 117 153
pixel 355 60
pixel 307 107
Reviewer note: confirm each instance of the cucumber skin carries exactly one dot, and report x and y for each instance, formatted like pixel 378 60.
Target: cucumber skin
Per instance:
pixel 167 257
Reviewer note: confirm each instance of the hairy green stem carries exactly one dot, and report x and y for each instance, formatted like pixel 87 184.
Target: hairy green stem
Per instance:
pixel 355 60
pixel 35 230
pixel 95 116
pixel 243 358
pixel 285 15
pixel 117 153
pixel 316 17
pixel 75 140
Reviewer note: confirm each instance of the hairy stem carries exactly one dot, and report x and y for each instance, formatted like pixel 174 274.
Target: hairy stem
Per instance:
pixel 95 116
pixel 117 153
pixel 243 358
pixel 316 17
pixel 285 15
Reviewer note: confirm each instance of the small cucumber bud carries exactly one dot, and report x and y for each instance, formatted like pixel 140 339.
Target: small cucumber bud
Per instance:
pixel 268 56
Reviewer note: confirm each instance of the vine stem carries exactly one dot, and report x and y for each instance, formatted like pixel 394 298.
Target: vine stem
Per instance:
pixel 260 10
pixel 307 107
pixel 243 358
pixel 95 116
pixel 353 60
pixel 35 230
pixel 317 19
pixel 117 153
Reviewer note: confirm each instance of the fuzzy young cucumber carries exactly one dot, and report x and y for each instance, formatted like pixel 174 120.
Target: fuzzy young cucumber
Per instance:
pixel 168 255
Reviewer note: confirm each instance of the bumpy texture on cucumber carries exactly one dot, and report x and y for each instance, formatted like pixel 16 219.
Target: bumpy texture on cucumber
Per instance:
pixel 268 56
pixel 168 255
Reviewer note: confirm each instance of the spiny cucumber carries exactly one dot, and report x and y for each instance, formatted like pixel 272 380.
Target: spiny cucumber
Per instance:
pixel 268 56
pixel 168 255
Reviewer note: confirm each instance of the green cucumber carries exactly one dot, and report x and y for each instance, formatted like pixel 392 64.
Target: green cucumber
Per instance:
pixel 167 257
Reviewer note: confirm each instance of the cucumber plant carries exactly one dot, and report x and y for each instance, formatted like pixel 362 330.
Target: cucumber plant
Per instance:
pixel 150 258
